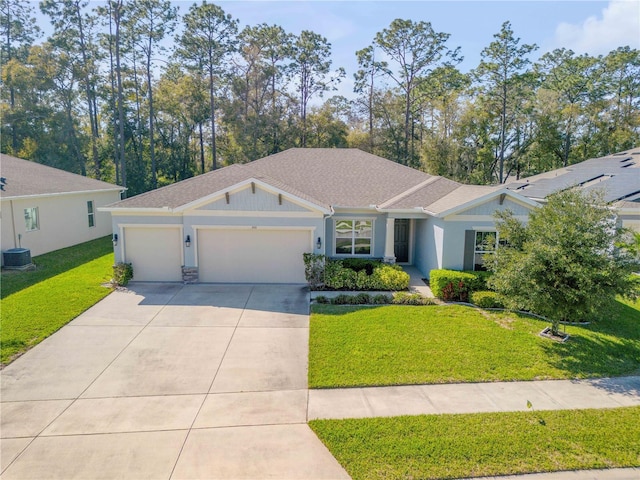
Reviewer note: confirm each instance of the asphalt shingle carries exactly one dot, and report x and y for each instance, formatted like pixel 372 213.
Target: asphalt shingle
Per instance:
pixel 23 178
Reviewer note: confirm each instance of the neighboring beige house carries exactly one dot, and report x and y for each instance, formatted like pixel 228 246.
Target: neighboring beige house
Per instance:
pixel 45 209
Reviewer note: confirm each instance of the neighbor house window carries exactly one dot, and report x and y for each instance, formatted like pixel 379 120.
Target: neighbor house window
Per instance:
pixel 353 237
pixel 486 242
pixel 31 219
pixel 90 214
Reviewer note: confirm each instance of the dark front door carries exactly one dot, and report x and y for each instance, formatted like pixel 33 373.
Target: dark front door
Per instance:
pixel 401 240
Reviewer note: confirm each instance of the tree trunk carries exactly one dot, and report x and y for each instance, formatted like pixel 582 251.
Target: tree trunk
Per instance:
pixel 121 120
pixel 201 147
pixel 152 153
pixel 212 106
pixel 93 119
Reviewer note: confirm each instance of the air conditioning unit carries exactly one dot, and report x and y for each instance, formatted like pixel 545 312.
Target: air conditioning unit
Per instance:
pixel 17 258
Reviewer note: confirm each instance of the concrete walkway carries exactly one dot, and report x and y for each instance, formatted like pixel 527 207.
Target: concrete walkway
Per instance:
pixel 473 397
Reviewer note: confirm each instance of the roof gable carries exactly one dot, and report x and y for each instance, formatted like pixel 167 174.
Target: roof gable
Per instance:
pixel 24 178
pixel 253 196
pixel 477 200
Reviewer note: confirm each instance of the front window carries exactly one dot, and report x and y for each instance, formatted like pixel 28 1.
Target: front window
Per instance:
pixel 486 242
pixel 31 219
pixel 354 237
pixel 91 214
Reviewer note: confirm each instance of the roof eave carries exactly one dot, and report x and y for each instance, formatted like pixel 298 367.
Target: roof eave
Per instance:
pixel 482 199
pixel 136 210
pixel 57 194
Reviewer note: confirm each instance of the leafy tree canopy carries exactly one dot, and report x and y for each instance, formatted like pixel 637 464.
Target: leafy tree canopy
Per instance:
pixel 568 262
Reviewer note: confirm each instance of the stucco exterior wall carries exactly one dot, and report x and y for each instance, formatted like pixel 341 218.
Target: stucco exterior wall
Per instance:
pixel 491 206
pixel 429 244
pixel 190 223
pixel 63 221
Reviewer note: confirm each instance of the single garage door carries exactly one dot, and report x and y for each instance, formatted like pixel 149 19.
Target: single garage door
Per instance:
pixel 252 255
pixel 155 253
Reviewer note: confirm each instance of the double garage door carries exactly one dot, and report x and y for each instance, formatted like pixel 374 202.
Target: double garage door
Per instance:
pixel 224 255
pixel 252 255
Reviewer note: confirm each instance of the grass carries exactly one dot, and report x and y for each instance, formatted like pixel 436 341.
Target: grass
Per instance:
pixel 470 445
pixel 38 303
pixel 403 345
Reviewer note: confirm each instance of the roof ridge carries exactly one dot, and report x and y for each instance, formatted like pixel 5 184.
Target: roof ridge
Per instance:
pixel 409 191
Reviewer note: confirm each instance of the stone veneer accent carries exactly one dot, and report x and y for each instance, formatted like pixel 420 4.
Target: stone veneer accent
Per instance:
pixel 190 274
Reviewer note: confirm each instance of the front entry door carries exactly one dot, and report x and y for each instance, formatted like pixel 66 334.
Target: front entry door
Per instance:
pixel 401 240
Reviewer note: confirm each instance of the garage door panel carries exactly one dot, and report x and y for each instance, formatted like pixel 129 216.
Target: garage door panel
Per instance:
pixel 155 253
pixel 252 255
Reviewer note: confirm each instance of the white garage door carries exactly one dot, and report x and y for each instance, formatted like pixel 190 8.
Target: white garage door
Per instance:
pixel 252 255
pixel 155 253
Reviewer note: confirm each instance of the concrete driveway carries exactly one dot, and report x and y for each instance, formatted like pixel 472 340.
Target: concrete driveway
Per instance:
pixel 166 381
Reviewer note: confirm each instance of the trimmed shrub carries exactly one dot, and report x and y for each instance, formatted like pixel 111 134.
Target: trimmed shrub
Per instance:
pixel 122 273
pixel 486 299
pixel 322 299
pixel 362 299
pixel 360 264
pixel 405 298
pixel 384 277
pixel 362 280
pixel 381 299
pixel 342 300
pixel 453 285
pixel 389 277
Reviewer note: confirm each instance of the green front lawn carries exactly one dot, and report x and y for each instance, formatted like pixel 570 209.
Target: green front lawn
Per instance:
pixel 38 303
pixel 454 446
pixel 401 345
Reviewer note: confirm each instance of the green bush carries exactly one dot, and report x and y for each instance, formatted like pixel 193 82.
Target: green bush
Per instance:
pixel 342 300
pixel 406 298
pixel 122 273
pixel 384 277
pixel 362 299
pixel 360 264
pixel 486 299
pixel 381 299
pixel 453 285
pixel 322 299
pixel 389 277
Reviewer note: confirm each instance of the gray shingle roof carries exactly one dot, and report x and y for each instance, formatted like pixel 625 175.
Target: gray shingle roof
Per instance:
pixel 325 176
pixel 618 175
pixel 25 178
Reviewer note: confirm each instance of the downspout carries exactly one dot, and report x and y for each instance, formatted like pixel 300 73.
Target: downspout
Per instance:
pixel 13 224
pixel 324 228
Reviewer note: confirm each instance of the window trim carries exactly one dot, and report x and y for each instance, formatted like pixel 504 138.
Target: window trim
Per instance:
pixel 91 213
pixel 37 219
pixel 475 244
pixel 353 254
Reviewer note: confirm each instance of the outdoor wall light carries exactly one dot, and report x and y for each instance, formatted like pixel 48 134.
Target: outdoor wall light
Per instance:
pixel 319 243
pixel 115 239
pixel 187 241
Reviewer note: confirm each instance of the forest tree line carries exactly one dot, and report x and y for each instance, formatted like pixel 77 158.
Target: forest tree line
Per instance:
pixel 118 92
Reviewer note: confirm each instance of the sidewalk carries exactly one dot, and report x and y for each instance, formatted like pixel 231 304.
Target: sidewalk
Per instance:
pixel 473 397
pixel 610 474
pixel 485 397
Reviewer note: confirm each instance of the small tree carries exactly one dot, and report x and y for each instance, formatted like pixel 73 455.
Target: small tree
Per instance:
pixel 567 263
